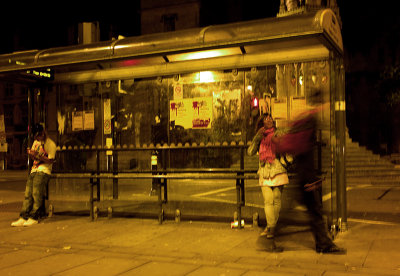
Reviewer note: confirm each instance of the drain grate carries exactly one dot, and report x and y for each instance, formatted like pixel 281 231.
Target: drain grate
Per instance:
pixel 11 207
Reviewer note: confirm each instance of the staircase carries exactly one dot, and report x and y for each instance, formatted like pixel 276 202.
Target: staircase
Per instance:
pixel 365 167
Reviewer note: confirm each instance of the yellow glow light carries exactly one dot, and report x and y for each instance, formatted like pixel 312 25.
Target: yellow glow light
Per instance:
pixel 206 76
pixel 205 54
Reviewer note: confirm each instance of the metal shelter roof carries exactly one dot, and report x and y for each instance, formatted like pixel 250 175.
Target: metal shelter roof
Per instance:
pixel 265 41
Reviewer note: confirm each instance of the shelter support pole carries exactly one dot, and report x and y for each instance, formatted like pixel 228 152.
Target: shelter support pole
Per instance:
pixel 30 123
pixel 340 114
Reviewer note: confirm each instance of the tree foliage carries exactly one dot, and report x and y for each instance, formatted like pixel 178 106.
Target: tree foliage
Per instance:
pixel 389 85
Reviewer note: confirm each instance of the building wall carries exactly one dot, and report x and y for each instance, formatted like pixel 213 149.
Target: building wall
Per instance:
pixel 14 106
pixel 161 16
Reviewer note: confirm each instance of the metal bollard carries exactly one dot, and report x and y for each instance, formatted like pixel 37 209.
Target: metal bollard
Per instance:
pixel 256 219
pixel 51 211
pixel 161 217
pixel 177 215
pixel 95 212
pixel 109 212
pixel 154 182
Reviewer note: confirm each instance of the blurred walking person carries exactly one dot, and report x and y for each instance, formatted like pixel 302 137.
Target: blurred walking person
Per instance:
pixel 301 142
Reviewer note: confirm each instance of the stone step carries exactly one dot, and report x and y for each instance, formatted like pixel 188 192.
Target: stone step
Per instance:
pixel 357 148
pixel 376 173
pixel 363 163
pixel 373 182
pixel 362 154
pixel 395 181
pixel 379 167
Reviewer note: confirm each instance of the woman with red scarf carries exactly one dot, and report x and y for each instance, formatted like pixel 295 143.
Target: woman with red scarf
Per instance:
pixel 272 175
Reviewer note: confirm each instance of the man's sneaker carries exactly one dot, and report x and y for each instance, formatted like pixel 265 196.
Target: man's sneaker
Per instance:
pixel 30 222
pixel 19 222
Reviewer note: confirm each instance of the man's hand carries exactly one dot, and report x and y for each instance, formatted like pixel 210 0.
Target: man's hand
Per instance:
pixel 33 154
pixel 261 131
pixel 312 186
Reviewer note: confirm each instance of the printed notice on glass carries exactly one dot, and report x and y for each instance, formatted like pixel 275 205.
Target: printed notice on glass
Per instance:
pixel 178 91
pixel 107 116
pixel 279 109
pixel 298 106
pixel 77 120
pixel 88 120
pixel 2 130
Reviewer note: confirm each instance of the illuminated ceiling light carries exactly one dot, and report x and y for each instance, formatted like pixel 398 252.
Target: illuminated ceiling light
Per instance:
pixel 207 76
pixel 205 54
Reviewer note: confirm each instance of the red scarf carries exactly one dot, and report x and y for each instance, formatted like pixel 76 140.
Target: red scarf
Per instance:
pixel 267 147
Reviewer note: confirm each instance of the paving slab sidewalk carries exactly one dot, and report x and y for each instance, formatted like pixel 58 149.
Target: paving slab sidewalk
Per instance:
pixel 74 245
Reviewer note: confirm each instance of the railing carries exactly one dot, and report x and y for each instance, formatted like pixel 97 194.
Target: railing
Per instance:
pixel 158 176
pixel 160 179
pixel 161 176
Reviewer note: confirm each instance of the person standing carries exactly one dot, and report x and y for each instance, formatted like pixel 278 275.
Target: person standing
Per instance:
pixel 272 175
pixel 42 152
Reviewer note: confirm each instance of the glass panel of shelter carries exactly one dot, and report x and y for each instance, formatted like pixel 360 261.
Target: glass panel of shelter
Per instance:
pixel 219 107
pixel 144 111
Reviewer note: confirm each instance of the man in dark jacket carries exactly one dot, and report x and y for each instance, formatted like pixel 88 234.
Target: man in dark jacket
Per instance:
pixel 301 142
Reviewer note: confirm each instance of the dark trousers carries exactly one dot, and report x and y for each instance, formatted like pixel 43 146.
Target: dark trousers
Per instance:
pixel 313 199
pixel 34 195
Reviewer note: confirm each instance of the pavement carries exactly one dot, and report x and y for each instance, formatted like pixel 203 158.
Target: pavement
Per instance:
pixel 68 244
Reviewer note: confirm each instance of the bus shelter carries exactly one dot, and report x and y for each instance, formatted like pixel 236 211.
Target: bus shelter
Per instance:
pixel 191 99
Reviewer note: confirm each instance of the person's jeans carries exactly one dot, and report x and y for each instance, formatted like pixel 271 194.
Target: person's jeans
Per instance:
pixel 34 195
pixel 272 203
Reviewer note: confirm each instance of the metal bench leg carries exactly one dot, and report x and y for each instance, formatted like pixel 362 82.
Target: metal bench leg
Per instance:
pixel 91 199
pixel 160 204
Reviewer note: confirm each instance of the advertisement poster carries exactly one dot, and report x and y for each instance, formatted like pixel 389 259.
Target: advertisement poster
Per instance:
pixel 2 129
pixel 77 120
pixel 107 116
pixel 88 120
pixel 82 120
pixel 3 140
pixel 194 113
pixel 178 91
pixel 279 109
pixel 298 106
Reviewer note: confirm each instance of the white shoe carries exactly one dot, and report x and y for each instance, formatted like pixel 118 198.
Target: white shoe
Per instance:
pixel 30 222
pixel 19 222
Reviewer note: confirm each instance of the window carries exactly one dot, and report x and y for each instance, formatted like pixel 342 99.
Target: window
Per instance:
pixel 169 21
pixel 9 90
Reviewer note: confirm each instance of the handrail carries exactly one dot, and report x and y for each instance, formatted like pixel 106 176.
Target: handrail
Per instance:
pixel 160 177
pixel 151 146
pixel 162 171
